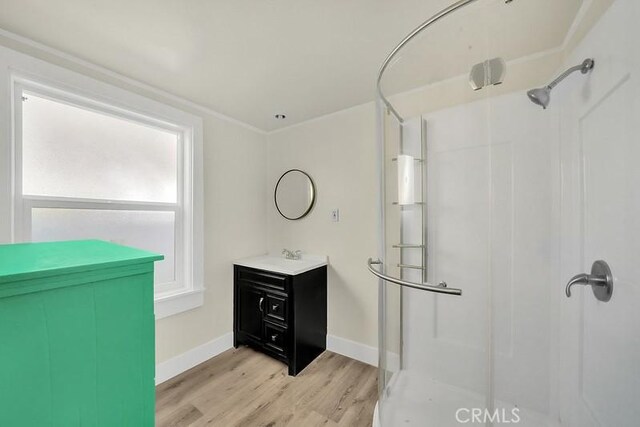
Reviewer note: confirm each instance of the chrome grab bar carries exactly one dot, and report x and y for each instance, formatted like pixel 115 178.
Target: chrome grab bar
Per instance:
pixel 441 289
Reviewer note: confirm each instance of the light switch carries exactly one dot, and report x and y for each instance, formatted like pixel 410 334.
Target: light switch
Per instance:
pixel 335 215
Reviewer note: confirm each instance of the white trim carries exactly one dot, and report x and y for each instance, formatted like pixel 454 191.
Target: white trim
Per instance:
pixel 124 79
pixel 352 349
pixel 185 361
pixel 376 416
pixel 173 303
pixel 575 25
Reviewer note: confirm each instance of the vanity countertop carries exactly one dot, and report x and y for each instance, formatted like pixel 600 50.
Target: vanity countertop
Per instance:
pixel 279 264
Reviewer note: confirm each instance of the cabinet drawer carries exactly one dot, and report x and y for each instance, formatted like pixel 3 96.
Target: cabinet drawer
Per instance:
pixel 275 338
pixel 263 278
pixel 276 308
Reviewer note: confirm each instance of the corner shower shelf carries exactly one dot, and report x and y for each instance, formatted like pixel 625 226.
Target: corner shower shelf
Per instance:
pixel 408 204
pixel 407 246
pixel 395 159
pixel 413 267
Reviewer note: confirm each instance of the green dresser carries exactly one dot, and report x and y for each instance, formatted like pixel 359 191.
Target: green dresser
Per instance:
pixel 76 335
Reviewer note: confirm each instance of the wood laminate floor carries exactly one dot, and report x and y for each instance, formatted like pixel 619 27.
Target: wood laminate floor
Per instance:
pixel 242 387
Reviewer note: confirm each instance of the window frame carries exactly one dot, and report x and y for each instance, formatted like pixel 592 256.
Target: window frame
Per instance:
pixel 186 291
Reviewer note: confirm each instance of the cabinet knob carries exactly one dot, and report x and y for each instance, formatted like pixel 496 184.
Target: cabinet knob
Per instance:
pixel 275 307
pixel 273 337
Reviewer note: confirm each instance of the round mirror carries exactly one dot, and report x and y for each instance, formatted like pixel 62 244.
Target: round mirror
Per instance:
pixel 295 194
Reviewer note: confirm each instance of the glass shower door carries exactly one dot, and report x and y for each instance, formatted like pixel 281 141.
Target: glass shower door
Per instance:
pixel 435 357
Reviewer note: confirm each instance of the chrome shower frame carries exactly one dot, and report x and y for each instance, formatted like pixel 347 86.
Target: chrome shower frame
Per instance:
pixel 426 24
pixel 384 279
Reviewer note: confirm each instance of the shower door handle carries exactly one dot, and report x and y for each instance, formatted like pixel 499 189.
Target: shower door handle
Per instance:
pixel 440 289
pixel 600 280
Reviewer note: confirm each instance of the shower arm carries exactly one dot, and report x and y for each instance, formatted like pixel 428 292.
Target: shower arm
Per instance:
pixel 584 68
pixel 435 18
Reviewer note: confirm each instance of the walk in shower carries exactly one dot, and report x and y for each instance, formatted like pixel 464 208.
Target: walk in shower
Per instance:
pixel 492 206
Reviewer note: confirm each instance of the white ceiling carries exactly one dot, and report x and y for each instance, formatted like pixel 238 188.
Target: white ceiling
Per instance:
pixel 251 59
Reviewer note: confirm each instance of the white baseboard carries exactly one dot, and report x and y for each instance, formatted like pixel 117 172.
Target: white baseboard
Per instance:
pixel 185 361
pixel 376 416
pixel 352 349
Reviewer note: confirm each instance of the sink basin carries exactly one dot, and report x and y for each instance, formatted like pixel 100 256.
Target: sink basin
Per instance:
pixel 278 264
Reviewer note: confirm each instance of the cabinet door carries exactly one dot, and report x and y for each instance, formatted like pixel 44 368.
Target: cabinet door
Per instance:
pixel 250 306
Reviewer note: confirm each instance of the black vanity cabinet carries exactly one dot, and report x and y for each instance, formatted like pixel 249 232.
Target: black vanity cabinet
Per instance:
pixel 281 315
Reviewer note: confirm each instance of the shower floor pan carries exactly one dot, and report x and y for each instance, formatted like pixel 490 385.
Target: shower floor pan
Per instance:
pixel 412 400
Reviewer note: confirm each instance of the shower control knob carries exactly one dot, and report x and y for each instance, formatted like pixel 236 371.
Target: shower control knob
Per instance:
pixel 600 280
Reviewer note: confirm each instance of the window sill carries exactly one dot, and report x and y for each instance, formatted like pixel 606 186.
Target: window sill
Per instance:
pixel 169 304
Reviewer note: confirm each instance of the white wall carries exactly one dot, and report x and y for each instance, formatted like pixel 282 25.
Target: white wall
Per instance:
pixel 339 152
pixel 235 227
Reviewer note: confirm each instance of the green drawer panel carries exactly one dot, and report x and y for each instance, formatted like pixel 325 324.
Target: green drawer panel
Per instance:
pixel 78 354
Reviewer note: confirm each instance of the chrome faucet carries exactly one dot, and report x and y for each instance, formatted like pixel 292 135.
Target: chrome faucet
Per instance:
pixel 292 254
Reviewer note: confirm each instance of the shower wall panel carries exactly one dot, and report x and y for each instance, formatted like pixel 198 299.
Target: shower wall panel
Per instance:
pixel 490 169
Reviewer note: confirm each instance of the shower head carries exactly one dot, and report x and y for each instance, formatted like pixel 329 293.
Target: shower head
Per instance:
pixel 542 96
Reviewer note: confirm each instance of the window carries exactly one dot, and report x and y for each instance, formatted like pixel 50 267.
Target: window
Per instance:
pixel 86 169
